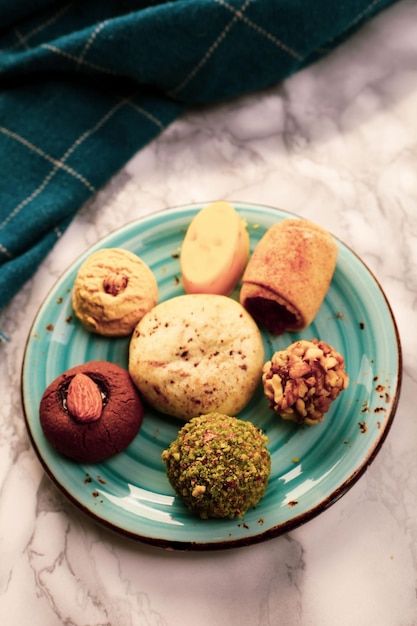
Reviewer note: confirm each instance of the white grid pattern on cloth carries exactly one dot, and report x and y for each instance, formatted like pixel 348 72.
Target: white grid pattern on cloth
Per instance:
pixel 146 113
pixel 47 157
pixel 362 14
pixel 259 29
pixel 8 254
pixel 238 14
pixel 23 39
pixel 208 52
pixel 325 49
pixel 91 38
pixel 79 60
pixel 59 164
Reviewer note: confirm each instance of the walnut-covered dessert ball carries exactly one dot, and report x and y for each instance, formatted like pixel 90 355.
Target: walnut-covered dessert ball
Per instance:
pixel 302 381
pixel 219 465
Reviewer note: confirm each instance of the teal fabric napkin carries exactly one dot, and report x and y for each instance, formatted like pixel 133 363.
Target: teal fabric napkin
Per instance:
pixel 86 84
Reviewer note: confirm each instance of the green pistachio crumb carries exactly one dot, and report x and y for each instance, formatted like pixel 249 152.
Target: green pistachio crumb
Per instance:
pixel 219 465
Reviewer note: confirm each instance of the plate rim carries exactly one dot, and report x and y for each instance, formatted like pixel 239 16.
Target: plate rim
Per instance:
pixel 274 531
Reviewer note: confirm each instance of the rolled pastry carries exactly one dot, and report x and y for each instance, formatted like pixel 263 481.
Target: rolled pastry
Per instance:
pixel 288 275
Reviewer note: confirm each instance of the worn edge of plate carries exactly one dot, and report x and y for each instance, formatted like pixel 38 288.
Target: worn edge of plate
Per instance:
pixel 275 531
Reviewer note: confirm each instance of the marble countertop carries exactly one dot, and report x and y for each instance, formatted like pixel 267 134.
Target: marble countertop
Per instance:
pixel 336 143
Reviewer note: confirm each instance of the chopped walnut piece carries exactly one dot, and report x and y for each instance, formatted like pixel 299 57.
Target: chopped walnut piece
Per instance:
pixel 302 381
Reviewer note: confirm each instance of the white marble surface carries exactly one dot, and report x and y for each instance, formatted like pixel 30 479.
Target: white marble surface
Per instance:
pixel 336 143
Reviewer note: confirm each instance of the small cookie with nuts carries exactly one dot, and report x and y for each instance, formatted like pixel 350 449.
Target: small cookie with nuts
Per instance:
pixel 113 290
pixel 302 381
pixel 91 412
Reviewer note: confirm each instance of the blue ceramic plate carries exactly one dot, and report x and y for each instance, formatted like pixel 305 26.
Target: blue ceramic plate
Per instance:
pixel 311 466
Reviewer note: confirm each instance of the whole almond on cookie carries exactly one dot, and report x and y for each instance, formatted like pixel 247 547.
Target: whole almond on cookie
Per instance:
pixel 84 400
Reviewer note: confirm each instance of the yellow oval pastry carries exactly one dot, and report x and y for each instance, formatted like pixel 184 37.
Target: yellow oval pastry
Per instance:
pixel 214 251
pixel 112 291
pixel 288 275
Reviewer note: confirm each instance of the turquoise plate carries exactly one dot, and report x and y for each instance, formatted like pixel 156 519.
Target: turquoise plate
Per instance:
pixel 311 466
